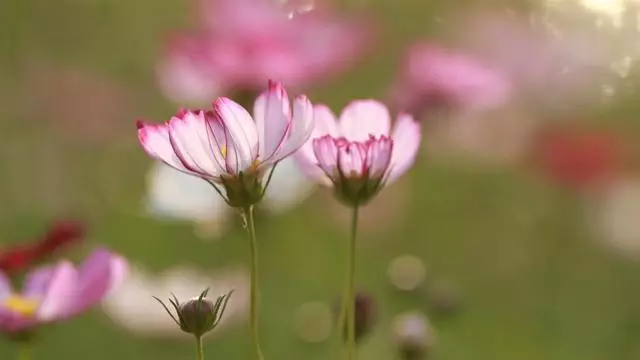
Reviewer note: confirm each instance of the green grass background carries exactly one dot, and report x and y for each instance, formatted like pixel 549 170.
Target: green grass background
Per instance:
pixel 535 284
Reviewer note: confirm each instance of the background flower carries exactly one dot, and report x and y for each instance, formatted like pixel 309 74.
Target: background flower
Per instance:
pixel 132 306
pixel 60 235
pixel 172 194
pixel 243 43
pixel 433 77
pixel 52 294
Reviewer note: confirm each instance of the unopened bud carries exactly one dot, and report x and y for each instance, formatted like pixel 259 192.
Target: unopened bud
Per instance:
pixel 198 315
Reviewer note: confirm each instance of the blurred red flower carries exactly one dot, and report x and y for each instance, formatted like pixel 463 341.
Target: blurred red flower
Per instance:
pixel 59 235
pixel 580 158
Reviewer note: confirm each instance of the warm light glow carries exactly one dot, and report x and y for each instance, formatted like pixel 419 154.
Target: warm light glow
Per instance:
pixel 611 9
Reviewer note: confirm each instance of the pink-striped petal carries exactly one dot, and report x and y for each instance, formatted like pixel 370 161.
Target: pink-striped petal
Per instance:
pixel 190 136
pixel 352 159
pixel 379 155
pixel 241 131
pixel 60 293
pixel 326 152
pixel 406 142
pixel 154 138
pixel 272 113
pixel 364 118
pixel 301 128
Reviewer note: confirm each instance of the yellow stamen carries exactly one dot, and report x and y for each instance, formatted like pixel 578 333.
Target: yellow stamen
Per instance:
pixel 21 305
pixel 255 163
pixel 223 151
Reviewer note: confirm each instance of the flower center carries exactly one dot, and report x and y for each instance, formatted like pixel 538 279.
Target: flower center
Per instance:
pixel 20 304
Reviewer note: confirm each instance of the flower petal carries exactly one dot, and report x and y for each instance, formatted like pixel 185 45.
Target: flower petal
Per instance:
pixel 301 128
pixel 60 292
pixel 288 187
pixel 272 114
pixel 5 286
pixel 324 124
pixel 37 282
pixel 154 138
pixel 379 153
pixel 241 131
pixel 119 269
pixel 326 152
pixel 352 159
pixel 363 118
pixel 95 278
pixel 191 136
pixel 406 142
pixel 175 195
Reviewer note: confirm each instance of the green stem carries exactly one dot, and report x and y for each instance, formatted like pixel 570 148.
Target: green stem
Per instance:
pixel 253 316
pixel 199 350
pixel 351 301
pixel 24 352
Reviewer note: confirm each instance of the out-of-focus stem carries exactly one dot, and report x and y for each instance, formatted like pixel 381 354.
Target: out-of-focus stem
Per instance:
pixel 24 352
pixel 199 350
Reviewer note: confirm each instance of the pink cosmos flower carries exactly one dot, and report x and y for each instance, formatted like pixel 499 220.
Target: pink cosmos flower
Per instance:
pixel 59 292
pixel 246 42
pixel 229 146
pixel 433 76
pixel 358 154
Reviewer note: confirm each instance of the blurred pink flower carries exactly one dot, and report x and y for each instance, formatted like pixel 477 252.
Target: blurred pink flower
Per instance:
pixel 243 43
pixel 550 61
pixel 185 74
pixel 56 293
pixel 434 76
pixel 357 154
pixel 228 146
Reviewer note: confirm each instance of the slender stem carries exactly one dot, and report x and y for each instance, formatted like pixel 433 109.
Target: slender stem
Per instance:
pixel 351 301
pixel 24 352
pixel 253 321
pixel 199 350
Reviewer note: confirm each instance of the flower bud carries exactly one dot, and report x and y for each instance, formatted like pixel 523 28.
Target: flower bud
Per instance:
pixel 198 315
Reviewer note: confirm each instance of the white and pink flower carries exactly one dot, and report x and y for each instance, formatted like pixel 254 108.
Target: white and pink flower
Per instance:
pixel 230 147
pixel 358 153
